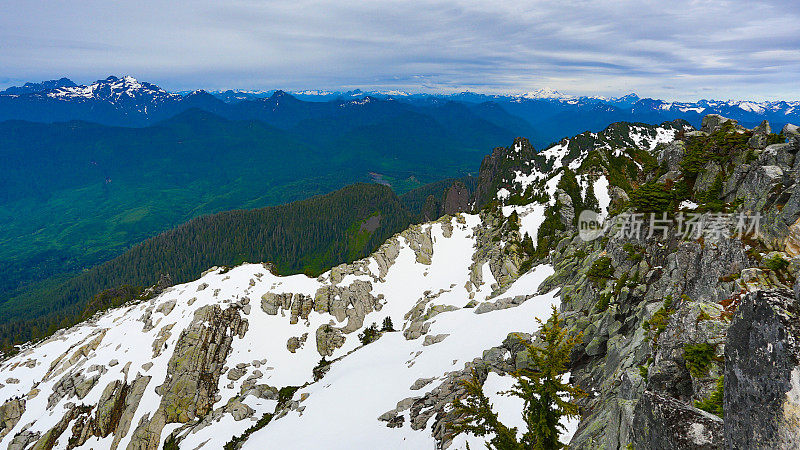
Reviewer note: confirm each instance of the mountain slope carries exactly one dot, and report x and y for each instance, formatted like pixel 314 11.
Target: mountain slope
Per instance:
pixel 233 356
pixel 252 334
pixel 306 236
pixel 138 182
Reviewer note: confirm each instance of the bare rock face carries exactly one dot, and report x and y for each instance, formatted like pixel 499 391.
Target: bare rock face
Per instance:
pixel 456 199
pixel 298 305
pixel 500 167
pixel 113 413
pixel 713 122
pixel 436 403
pixel 792 133
pixel 71 385
pixel 760 135
pixel 792 241
pixel 193 372
pixel 329 338
pixel 567 210
pixel 762 372
pixel 23 440
pixel 351 303
pixel 10 413
pixel 420 241
pixel 663 422
pixel 48 439
pixel 271 302
pixel 671 155
pixel 164 282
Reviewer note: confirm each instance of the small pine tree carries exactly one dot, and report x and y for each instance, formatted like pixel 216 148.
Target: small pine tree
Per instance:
pixel 546 397
pixel 320 369
pixel 387 324
pixel 369 335
pixel 527 244
pixel 590 200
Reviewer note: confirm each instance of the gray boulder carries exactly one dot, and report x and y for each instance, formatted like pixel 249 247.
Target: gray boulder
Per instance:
pixel 329 338
pixel 714 122
pixel 664 422
pixel 762 372
pixel 760 135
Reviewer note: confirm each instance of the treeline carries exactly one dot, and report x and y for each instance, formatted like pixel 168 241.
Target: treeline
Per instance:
pixel 307 236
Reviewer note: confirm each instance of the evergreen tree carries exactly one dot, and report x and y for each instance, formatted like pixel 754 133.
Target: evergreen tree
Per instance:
pixel 369 335
pixel 387 324
pixel 590 200
pixel 546 397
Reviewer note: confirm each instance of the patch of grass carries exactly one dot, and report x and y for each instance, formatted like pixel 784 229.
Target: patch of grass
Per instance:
pixel 713 403
pixel 600 269
pixel 775 263
pixel 635 252
pixel 698 358
pixel 652 197
pixel 658 323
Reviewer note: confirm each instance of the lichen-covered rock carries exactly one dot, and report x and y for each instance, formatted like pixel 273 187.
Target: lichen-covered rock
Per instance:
pixel 664 422
pixel 193 372
pixel 10 413
pixel 714 122
pixel 762 372
pixel 329 338
pixel 295 342
pixel 351 303
pixel 671 155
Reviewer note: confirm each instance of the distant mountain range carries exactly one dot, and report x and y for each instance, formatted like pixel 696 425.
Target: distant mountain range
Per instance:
pixel 544 116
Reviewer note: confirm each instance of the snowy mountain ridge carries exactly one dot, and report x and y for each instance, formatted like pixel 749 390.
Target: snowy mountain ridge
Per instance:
pixel 241 358
pixel 202 362
pixel 423 279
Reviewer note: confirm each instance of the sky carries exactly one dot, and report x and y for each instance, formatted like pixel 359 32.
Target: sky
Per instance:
pixel 675 50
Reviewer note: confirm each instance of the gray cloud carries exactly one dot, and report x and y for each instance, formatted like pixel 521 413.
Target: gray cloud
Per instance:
pixel 682 49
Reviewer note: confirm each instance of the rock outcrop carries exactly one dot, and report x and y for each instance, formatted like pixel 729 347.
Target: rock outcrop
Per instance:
pixel 193 372
pixel 669 423
pixel 456 199
pixel 762 372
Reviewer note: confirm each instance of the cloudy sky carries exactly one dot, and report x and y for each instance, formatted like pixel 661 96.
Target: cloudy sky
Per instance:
pixel 673 50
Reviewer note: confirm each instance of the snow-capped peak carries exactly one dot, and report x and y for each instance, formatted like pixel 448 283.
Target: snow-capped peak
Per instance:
pixel 113 89
pixel 545 93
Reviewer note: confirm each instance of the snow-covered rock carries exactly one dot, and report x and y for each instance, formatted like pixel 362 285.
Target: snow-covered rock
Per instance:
pixel 203 361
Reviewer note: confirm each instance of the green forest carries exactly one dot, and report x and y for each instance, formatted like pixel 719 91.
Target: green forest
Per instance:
pixel 307 236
